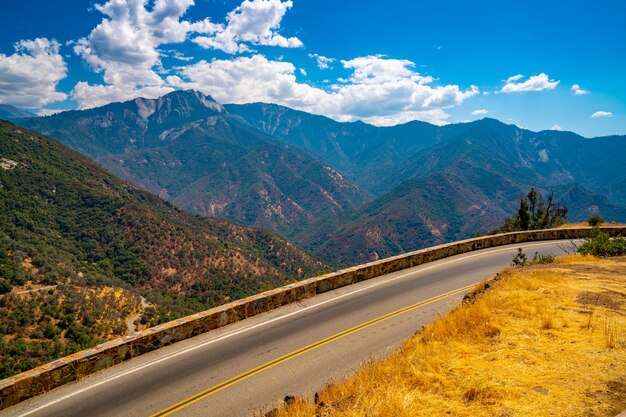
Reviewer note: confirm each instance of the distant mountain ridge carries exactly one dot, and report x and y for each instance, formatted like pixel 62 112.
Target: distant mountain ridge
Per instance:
pixel 9 112
pixel 185 147
pixel 351 192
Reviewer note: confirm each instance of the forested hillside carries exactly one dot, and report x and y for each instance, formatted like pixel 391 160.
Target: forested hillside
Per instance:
pixel 78 247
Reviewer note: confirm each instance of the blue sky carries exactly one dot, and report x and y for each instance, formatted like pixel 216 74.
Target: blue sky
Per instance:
pixel 537 64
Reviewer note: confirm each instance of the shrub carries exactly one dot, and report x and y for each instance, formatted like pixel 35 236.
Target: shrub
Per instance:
pixel 521 259
pixel 601 244
pixel 5 286
pixel 541 259
pixel 595 220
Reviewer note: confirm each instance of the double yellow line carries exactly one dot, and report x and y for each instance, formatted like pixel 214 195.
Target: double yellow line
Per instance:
pixel 261 368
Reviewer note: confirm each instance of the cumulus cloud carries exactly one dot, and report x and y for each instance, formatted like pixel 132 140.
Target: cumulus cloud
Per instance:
pixel 514 78
pixel 255 22
pixel 380 91
pixel 479 112
pixel 579 91
pixel 322 61
pixel 29 77
pixel 535 83
pixel 601 114
pixel 124 47
pixel 88 96
pixel 556 127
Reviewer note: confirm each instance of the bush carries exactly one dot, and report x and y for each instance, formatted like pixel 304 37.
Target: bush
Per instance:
pixel 541 259
pixel 521 259
pixel 601 244
pixel 595 220
pixel 5 286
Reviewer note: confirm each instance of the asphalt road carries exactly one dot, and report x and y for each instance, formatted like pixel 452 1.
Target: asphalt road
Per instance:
pixel 248 367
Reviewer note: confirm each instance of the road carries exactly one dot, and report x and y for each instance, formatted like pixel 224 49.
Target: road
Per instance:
pixel 130 323
pixel 250 366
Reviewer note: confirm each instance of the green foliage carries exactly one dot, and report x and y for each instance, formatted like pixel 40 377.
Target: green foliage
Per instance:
pixel 595 220
pixel 535 213
pixel 82 230
pixel 601 244
pixel 520 259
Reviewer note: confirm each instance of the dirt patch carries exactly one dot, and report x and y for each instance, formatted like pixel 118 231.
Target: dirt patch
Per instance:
pixel 613 396
pixel 607 299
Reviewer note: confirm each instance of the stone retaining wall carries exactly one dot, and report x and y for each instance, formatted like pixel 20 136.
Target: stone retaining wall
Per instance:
pixel 71 368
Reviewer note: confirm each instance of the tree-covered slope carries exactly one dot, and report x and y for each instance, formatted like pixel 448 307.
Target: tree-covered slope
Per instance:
pixel 188 149
pixel 78 247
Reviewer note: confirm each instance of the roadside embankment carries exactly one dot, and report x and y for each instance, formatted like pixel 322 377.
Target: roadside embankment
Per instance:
pixel 542 340
pixel 81 364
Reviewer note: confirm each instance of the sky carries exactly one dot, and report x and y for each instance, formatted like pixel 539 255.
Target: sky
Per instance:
pixel 537 64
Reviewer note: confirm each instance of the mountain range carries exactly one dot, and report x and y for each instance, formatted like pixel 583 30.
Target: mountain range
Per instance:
pixel 9 112
pixel 349 192
pixel 188 149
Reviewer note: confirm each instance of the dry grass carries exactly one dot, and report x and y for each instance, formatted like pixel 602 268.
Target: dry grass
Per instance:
pixel 585 224
pixel 545 340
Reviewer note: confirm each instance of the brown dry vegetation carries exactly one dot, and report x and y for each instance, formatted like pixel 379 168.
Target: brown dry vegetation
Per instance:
pixel 544 340
pixel 586 224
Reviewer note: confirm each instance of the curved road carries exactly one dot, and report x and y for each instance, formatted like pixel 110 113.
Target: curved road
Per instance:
pixel 250 366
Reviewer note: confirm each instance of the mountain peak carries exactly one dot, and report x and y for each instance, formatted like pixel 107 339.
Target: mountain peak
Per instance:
pixel 184 101
pixel 193 96
pixel 178 104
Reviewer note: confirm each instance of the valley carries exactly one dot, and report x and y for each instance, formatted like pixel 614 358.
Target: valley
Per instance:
pixel 213 189
pixel 347 192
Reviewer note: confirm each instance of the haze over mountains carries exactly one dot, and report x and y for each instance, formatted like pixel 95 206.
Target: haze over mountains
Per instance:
pixel 351 192
pixel 187 148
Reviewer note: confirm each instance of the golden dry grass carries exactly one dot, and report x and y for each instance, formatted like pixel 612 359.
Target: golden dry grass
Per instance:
pixel 544 340
pixel 585 224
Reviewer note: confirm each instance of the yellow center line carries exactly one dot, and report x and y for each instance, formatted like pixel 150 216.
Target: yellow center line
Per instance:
pixel 261 368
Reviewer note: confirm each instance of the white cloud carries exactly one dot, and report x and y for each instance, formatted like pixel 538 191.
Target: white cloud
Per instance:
pixel 88 96
pixel 303 71
pixel 579 91
pixel 124 47
pixel 322 61
pixel 376 69
pixel 255 22
pixel 29 77
pixel 556 127
pixel 48 112
pixel 601 114
pixel 535 83
pixel 435 116
pixel 380 91
pixel 514 78
pixel 478 112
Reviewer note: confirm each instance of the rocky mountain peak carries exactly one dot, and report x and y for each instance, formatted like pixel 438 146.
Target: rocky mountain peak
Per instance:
pixel 180 104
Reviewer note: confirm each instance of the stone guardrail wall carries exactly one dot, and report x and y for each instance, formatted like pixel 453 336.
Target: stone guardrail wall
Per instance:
pixel 71 368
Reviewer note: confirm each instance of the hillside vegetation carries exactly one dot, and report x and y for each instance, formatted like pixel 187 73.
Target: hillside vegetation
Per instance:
pixel 544 340
pixel 349 192
pixel 78 247
pixel 188 149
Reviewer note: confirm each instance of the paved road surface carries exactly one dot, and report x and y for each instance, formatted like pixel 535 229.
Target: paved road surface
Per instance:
pixel 294 350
